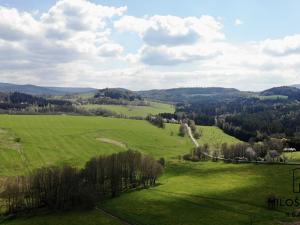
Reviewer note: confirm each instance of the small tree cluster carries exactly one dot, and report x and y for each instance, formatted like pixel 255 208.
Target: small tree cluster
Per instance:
pixel 200 153
pixel 156 121
pixel 182 130
pixel 61 188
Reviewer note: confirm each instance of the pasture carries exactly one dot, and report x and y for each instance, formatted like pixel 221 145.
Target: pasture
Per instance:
pixel 188 193
pixel 214 137
pixel 135 111
pixel 93 217
pixel 48 140
pixel 209 193
pixel 57 140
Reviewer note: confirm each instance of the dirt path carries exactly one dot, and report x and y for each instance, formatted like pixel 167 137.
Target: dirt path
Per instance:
pixel 115 217
pixel 189 130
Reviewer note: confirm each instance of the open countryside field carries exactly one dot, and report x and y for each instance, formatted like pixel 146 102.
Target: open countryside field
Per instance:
pixel 92 217
pixel 33 141
pixel 205 193
pixel 188 193
pixel 48 140
pixel 214 137
pixel 135 111
pixel 209 193
pixel 293 156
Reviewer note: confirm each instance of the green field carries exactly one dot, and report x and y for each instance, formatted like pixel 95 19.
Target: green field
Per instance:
pixel 293 156
pixel 92 217
pixel 135 111
pixel 209 193
pixel 47 140
pixel 203 193
pixel 188 193
pixel 214 137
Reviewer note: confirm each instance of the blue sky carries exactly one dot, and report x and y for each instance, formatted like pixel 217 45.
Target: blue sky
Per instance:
pixel 217 43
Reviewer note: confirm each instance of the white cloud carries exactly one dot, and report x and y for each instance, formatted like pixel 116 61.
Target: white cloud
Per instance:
pixel 172 30
pixel 16 26
pixel 79 15
pixel 70 30
pixel 163 55
pixel 238 22
pixel 282 47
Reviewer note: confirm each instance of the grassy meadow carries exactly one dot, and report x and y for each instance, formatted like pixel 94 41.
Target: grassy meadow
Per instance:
pixel 209 193
pixel 214 136
pixel 293 156
pixel 48 140
pixel 135 111
pixel 93 217
pixel 188 193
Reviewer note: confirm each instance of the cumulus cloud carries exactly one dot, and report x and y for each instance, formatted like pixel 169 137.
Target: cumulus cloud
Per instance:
pixel 70 30
pixel 172 30
pixel 16 26
pixel 79 15
pixel 175 55
pixel 282 47
pixel 171 40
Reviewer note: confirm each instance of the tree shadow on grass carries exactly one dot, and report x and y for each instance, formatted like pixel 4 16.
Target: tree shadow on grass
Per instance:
pixel 244 204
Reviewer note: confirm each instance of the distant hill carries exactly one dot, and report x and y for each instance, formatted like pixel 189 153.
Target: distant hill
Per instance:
pixel 192 94
pixel 296 85
pixel 290 92
pixel 39 90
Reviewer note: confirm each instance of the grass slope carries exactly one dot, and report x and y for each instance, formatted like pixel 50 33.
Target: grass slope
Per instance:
pixel 208 193
pixel 93 217
pixel 205 193
pixel 214 136
pixel 47 140
pixel 136 111
pixel 189 193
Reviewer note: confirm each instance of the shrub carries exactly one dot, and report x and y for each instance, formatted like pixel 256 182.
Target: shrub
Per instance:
pixel 182 130
pixel 162 162
pixel 197 134
pixel 187 157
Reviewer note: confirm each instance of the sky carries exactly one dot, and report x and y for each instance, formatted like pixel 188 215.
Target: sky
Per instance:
pixel 249 45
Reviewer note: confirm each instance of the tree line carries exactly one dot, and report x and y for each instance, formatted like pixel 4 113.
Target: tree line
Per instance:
pixel 67 187
pixel 269 151
pixel 156 120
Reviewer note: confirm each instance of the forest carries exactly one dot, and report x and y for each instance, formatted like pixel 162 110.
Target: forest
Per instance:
pixel 251 118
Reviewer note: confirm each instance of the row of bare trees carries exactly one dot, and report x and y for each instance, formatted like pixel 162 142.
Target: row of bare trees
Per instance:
pixel 60 188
